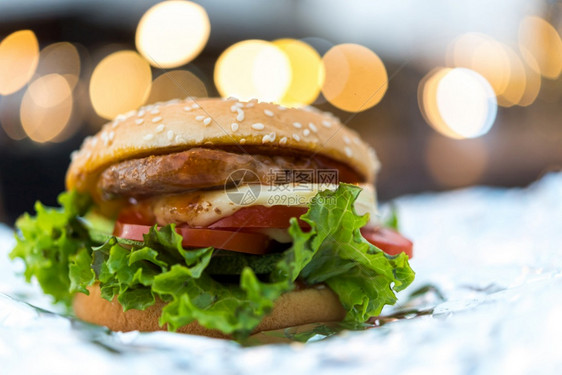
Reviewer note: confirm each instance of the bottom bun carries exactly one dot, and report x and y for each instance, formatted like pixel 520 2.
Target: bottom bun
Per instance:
pixel 295 308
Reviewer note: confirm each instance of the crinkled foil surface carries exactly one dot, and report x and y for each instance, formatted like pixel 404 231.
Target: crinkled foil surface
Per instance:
pixel 487 300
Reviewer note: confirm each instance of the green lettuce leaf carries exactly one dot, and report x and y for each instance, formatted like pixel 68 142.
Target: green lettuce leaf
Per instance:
pixel 59 250
pixel 54 242
pixel 334 252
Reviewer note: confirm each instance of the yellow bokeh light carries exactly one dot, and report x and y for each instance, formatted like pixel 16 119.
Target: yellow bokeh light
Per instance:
pixel 307 72
pixel 46 107
pixel 454 163
pixel 515 88
pixel 19 54
pixel 458 103
pixel 253 69
pixel 176 84
pixel 60 58
pixel 533 82
pixel 427 102
pixel 484 55
pixel 356 78
pixel 120 83
pixel 172 33
pixel 540 40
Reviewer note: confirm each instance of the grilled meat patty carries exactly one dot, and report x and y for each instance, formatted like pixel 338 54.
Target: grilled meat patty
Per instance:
pixel 203 168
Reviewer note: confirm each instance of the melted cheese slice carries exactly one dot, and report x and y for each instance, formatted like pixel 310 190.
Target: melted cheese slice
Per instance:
pixel 203 208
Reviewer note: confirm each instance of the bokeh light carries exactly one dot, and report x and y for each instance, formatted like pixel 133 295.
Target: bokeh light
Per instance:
pixel 454 163
pixel 484 55
pixel 253 69
pixel 176 84
pixel 515 88
pixel 19 54
pixel 120 83
pixel 307 72
pixel 532 82
pixel 172 33
pixel 458 103
pixel 356 78
pixel 46 107
pixel 60 58
pixel 427 102
pixel 540 40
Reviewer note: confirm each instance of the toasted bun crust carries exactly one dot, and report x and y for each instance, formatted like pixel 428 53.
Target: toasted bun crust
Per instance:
pixel 291 309
pixel 182 124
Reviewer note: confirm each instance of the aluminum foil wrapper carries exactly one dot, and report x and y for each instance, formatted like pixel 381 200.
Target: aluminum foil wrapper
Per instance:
pixel 487 299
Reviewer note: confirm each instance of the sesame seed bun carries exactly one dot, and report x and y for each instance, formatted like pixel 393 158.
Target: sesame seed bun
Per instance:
pixel 248 126
pixel 299 307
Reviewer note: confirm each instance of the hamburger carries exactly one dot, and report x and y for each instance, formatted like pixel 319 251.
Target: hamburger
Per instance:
pixel 217 217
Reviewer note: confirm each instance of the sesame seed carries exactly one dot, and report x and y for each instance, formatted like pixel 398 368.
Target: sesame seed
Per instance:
pixel 283 140
pixel 141 113
pixel 356 140
pixel 170 135
pixel 110 136
pixel 155 111
pixel 94 141
pixel 120 118
pixel 240 116
pixel 348 151
pixel 115 124
pixel 157 118
pixel 173 101
pixel 242 141
pixel 281 108
pixel 250 105
pixel 346 139
pixel 160 128
pixel 313 127
pixel 187 109
pixel 139 121
pixel 305 132
pixel 148 137
pixel 207 121
pixel 195 106
pixel 297 125
pixel 268 138
pixel 296 137
pixel 179 139
pixel 258 126
pixel 268 112
pixel 234 126
pixel 200 118
pixel 327 123
pixel 233 108
pixel 73 155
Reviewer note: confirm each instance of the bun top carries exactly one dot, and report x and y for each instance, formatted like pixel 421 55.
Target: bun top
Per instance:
pixel 252 126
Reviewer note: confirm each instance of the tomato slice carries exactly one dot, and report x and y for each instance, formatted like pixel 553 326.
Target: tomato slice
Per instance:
pixel 389 241
pixel 250 243
pixel 261 217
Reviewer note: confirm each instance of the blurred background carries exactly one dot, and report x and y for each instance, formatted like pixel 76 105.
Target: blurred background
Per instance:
pixel 450 94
